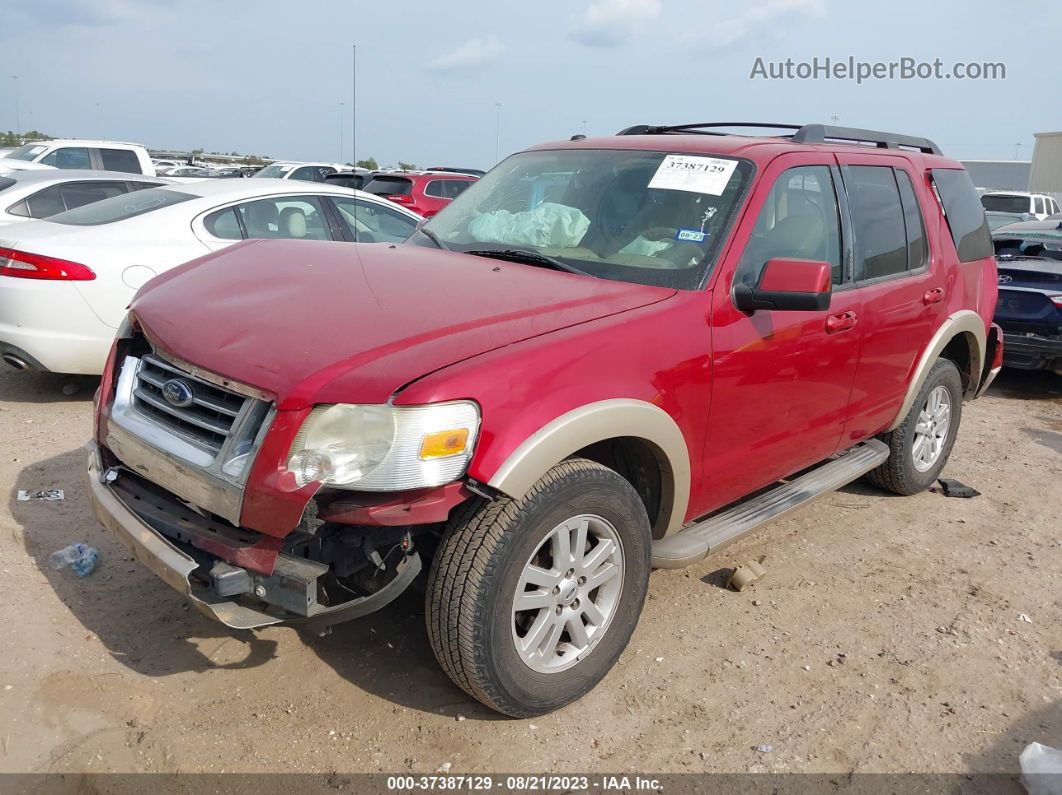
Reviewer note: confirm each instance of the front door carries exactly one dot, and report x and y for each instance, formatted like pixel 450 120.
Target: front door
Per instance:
pixel 781 380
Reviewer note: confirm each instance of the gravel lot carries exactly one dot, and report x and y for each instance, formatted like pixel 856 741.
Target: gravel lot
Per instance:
pixel 891 634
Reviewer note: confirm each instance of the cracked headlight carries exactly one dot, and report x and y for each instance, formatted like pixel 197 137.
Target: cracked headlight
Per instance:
pixel 384 448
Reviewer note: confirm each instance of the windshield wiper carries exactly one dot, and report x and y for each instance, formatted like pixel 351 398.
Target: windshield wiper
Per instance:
pixel 434 238
pixel 528 256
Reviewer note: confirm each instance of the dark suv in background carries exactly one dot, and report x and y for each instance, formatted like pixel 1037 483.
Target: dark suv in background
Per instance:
pixel 1029 260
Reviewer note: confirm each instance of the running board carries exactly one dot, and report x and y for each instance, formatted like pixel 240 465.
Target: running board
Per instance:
pixel 698 540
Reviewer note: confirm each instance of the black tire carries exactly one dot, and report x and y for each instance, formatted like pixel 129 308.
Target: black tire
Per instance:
pixel 476 573
pixel 899 474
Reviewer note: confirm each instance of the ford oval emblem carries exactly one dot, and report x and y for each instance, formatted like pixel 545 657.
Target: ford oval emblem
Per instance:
pixel 178 393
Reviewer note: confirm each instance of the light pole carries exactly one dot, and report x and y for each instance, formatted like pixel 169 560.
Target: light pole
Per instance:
pixel 341 114
pixel 18 121
pixel 497 134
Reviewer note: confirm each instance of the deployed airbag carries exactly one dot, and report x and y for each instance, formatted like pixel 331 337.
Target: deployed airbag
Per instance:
pixel 549 225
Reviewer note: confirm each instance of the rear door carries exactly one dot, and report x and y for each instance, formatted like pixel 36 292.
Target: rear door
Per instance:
pixel 900 282
pixel 781 380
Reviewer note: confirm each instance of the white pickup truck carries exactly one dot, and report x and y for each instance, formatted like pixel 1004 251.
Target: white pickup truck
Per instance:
pixel 73 153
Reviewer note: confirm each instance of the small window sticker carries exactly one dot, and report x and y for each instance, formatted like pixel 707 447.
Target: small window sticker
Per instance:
pixel 695 174
pixel 690 235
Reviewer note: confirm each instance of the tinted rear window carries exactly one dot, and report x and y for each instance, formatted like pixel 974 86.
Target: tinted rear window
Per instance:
pixel 119 208
pixel 964 213
pixel 1006 204
pixel 120 160
pixel 390 186
pixel 6 182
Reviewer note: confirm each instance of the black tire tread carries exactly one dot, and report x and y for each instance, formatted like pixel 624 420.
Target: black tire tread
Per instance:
pixel 464 561
pixel 893 475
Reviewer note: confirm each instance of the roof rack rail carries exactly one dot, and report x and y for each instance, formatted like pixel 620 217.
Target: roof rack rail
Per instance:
pixel 802 133
pixel 819 133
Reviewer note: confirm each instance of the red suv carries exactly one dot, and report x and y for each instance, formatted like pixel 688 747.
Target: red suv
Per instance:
pixel 423 192
pixel 607 355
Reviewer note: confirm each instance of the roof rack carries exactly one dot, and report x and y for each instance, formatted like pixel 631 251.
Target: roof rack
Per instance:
pixel 802 133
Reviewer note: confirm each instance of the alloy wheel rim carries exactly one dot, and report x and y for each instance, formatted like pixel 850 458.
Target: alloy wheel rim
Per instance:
pixel 931 430
pixel 568 593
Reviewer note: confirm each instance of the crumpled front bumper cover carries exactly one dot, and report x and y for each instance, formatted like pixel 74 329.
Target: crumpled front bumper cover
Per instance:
pixel 174 566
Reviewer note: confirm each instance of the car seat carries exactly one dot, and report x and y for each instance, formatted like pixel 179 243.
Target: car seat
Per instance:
pixel 292 223
pixel 262 219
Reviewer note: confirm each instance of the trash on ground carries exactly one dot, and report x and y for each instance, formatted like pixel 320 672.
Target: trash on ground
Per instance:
pixel 1025 618
pixel 1041 769
pixel 764 748
pixel 49 495
pixel 81 559
pixel 953 488
pixel 746 574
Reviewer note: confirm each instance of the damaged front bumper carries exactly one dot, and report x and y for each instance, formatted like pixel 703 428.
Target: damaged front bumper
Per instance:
pixel 187 571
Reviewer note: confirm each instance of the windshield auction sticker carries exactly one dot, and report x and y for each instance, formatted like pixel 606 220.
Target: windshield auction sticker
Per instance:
pixel 707 175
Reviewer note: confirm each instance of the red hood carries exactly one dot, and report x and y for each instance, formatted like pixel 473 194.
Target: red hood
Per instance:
pixel 320 322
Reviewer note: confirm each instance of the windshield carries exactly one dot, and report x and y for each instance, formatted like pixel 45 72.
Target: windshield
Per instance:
pixel 118 208
pixel 274 170
pixel 27 152
pixel 646 217
pixel 1006 204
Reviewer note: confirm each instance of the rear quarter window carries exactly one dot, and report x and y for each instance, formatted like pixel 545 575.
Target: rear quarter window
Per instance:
pixel 964 213
pixel 120 160
pixel 119 208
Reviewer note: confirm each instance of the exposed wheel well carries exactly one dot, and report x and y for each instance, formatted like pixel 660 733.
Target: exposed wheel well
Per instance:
pixel 958 351
pixel 644 467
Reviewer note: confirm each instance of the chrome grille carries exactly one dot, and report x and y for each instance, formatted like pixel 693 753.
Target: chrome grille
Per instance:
pixel 206 418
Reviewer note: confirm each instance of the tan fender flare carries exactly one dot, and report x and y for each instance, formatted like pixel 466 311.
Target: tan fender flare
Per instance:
pixel 966 322
pixel 598 422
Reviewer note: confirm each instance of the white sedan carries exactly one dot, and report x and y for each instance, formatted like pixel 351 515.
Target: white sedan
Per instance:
pixel 65 282
pixel 50 191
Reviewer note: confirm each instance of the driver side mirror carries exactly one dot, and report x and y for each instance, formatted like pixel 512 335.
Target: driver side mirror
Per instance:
pixel 788 284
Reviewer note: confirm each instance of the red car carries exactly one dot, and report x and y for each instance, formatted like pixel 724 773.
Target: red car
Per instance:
pixel 607 355
pixel 423 192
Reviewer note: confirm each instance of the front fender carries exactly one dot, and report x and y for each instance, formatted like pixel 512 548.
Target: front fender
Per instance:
pixel 598 422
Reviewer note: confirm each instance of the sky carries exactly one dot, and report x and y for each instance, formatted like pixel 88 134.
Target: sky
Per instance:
pixel 268 77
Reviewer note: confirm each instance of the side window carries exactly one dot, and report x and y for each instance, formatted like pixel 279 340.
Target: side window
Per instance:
pixel 144 185
pixel 964 213
pixel 458 186
pixel 68 157
pixel 42 204
pixel 1039 205
pixel 120 160
pixel 371 223
pixel 436 188
pixel 223 224
pixel 912 219
pixel 78 194
pixel 287 217
pixel 877 220
pixel 311 173
pixel 799 220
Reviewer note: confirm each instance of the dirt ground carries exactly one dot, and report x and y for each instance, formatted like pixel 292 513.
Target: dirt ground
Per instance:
pixel 891 634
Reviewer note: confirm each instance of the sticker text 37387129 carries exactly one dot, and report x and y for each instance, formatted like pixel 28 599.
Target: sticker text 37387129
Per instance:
pixel 708 175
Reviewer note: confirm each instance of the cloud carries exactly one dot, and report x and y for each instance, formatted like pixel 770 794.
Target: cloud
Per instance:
pixel 61 14
pixel 473 53
pixel 609 23
pixel 756 22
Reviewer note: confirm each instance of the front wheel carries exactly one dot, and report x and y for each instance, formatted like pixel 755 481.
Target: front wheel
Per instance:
pixel 530 602
pixel 920 446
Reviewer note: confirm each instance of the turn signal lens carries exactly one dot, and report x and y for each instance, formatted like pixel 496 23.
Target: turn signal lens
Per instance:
pixel 443 443
pixel 23 265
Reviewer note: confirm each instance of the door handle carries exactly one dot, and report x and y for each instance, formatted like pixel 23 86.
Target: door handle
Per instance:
pixel 934 296
pixel 842 321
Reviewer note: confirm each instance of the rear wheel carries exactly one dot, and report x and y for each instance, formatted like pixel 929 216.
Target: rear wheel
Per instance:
pixel 920 446
pixel 531 601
